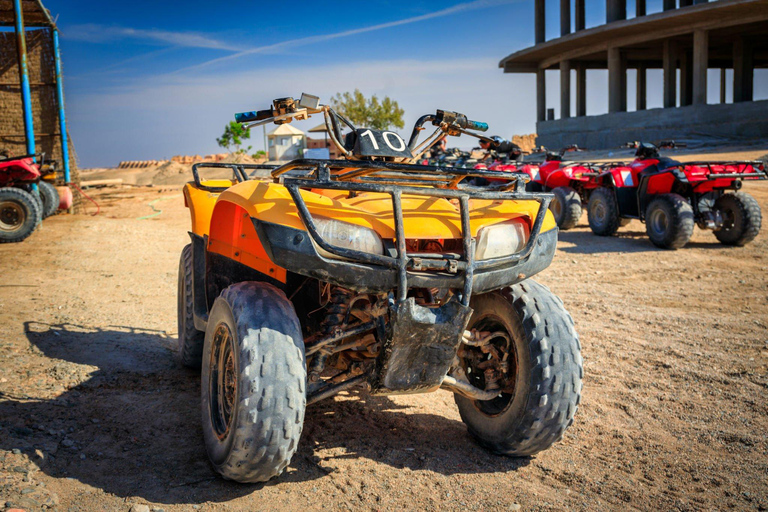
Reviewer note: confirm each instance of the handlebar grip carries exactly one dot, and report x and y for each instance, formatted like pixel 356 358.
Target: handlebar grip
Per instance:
pixel 477 125
pixel 258 115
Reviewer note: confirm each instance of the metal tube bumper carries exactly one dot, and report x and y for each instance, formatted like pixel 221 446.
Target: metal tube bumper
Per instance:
pixel 293 250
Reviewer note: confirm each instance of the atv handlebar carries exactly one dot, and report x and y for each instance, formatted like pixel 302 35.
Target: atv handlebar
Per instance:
pixel 662 144
pixel 254 115
pixel 455 119
pixel 477 126
pixel 284 110
pixel 670 144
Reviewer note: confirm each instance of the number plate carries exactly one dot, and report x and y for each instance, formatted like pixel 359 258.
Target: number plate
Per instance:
pixel 380 143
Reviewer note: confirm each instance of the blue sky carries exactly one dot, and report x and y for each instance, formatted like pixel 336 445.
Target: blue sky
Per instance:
pixel 151 79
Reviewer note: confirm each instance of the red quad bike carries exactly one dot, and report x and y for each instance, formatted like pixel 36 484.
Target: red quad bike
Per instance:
pixel 22 208
pixel 568 181
pixel 670 196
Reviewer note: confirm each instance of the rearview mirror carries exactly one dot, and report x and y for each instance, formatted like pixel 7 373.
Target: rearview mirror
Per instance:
pixel 309 101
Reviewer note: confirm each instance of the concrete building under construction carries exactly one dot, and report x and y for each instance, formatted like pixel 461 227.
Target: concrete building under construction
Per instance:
pixel 691 37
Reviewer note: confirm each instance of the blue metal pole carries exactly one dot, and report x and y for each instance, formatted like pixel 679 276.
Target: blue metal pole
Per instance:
pixel 26 97
pixel 60 101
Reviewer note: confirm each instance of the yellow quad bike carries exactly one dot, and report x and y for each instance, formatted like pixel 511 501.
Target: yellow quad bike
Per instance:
pixel 370 272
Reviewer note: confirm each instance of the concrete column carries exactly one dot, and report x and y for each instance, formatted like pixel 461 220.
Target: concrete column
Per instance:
pixel 670 76
pixel 541 95
pixel 565 89
pixel 617 81
pixel 669 5
pixel 639 8
pixel 579 15
pixel 642 92
pixel 722 85
pixel 623 81
pixel 700 64
pixel 615 10
pixel 581 90
pixel 743 70
pixel 686 78
pixel 565 17
pixel 540 14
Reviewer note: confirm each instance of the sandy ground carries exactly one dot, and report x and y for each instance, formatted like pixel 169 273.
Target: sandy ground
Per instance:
pixel 95 413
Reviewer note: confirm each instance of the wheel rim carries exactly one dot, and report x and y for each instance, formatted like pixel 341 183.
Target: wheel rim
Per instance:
pixel 598 212
pixel 729 219
pixel 223 381
pixel 498 363
pixel 12 215
pixel 659 221
pixel 556 207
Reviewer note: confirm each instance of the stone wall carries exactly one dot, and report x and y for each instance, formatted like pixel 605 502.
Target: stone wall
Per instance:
pixel 721 123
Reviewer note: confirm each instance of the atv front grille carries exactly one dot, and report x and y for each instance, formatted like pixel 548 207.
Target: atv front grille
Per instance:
pixel 450 248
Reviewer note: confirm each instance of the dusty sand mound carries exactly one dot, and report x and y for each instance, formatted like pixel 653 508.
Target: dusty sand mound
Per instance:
pixel 171 169
pixel 526 142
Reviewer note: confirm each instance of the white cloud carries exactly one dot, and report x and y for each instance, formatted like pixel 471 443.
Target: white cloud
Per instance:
pixel 95 33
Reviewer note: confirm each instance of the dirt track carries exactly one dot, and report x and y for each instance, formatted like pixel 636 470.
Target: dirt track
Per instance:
pixel 95 414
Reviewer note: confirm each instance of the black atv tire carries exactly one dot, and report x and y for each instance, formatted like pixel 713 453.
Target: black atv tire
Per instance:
pixel 603 212
pixel 253 382
pixel 50 197
pixel 669 221
pixel 190 344
pixel 566 207
pixel 741 218
pixel 549 371
pixel 19 214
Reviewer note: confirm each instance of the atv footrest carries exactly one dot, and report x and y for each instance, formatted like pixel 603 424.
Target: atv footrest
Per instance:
pixel 419 346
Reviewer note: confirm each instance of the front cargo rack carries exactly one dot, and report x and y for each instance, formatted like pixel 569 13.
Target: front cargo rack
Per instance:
pixel 396 179
pixel 756 166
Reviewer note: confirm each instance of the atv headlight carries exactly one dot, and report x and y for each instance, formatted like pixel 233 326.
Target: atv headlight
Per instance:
pixel 347 236
pixel 501 239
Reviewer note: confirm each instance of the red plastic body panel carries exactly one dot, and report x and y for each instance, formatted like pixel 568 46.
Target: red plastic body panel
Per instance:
pixel 700 176
pixel 549 175
pixel 661 183
pixel 23 170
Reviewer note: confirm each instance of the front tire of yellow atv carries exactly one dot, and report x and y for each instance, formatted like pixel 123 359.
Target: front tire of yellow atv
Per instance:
pixel 253 382
pixel 190 344
pixel 544 370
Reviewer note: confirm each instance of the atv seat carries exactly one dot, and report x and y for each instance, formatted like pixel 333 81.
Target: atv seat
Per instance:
pixel 666 163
